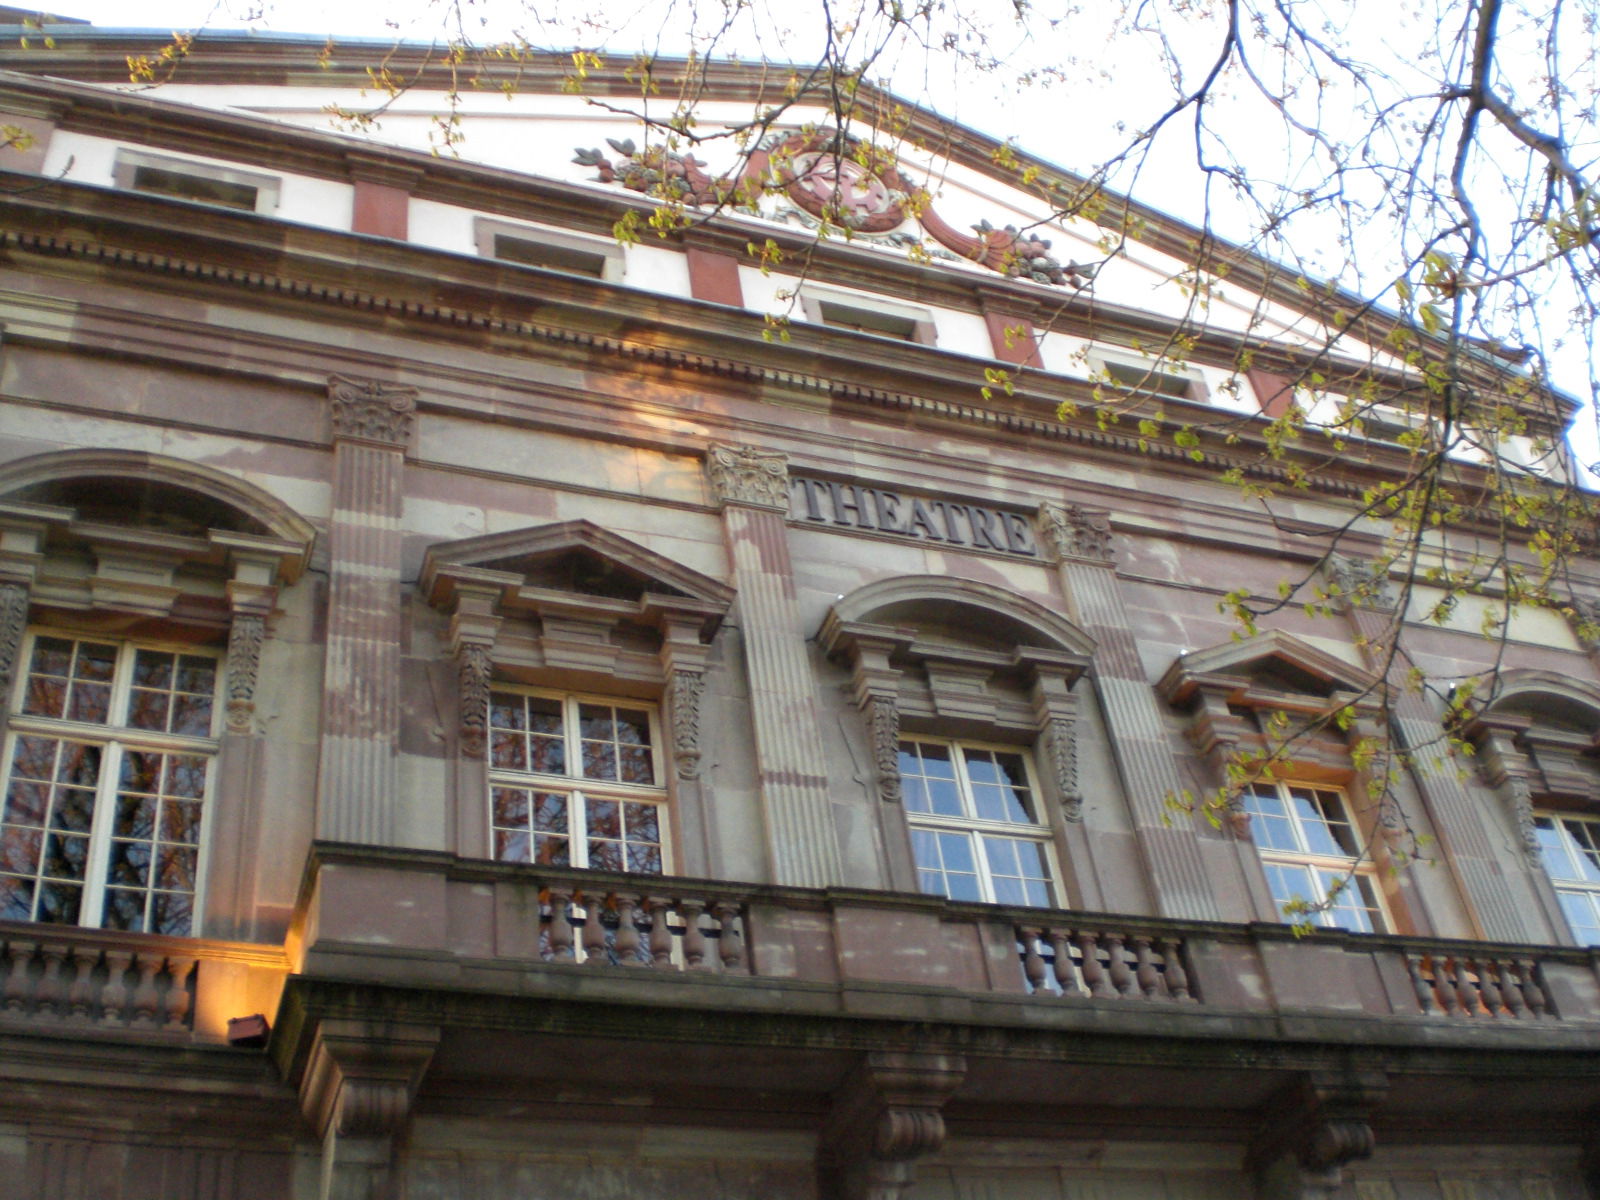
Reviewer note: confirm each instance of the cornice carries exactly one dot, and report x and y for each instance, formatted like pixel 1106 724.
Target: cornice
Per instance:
pixel 650 333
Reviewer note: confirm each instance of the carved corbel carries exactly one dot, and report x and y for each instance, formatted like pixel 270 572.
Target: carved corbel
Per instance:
pixel 1070 531
pixel 473 626
pixel 683 696
pixel 1504 765
pixel 367 410
pixel 245 637
pixel 875 687
pixel 746 475
pixel 1056 709
pixel 1316 1128
pixel 13 620
pixel 886 1117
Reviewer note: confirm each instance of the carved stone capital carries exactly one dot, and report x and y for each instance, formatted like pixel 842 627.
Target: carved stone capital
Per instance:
pixel 685 689
pixel 245 636
pixel 474 665
pixel 1069 531
pixel 1359 582
pixel 745 475
pixel 366 410
pixel 886 1117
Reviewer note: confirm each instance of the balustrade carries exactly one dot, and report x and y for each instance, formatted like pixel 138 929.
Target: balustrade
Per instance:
pixel 1104 965
pixel 636 929
pixel 80 983
pixel 1482 985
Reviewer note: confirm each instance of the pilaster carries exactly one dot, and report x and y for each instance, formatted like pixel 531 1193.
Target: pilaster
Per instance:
pixel 752 489
pixel 372 430
pixel 1081 541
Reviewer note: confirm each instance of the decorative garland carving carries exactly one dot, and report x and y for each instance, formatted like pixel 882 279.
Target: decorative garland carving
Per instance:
pixel 840 181
pixel 245 637
pixel 1361 582
pixel 884 713
pixel 686 690
pixel 1520 793
pixel 745 475
pixel 1061 744
pixel 473 668
pixel 369 411
pixel 13 620
pixel 1069 531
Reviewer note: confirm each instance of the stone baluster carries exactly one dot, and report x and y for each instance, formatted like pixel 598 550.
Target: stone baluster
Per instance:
pixel 626 942
pixel 660 931
pixel 730 945
pixel 114 996
pixel 146 1000
pixel 80 995
pixel 18 957
pixel 1466 993
pixel 1532 992
pixel 1511 990
pixel 1444 985
pixel 1094 974
pixel 1032 963
pixel 560 933
pixel 1148 977
pixel 1421 986
pixel 177 1001
pixel 1122 979
pixel 694 938
pixel 594 934
pixel 1061 948
pixel 1177 977
pixel 1488 990
pixel 50 992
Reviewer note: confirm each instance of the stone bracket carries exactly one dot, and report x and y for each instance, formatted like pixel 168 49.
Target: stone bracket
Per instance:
pixel 1314 1128
pixel 888 1114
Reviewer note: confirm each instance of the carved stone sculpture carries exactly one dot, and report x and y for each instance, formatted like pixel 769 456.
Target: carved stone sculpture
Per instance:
pixel 13 620
pixel 884 713
pixel 1069 531
pixel 686 689
pixel 1061 744
pixel 1360 582
pixel 745 475
pixel 473 668
pixel 370 411
pixel 245 636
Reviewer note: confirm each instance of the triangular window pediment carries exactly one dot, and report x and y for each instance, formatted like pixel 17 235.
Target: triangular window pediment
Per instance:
pixel 1255 671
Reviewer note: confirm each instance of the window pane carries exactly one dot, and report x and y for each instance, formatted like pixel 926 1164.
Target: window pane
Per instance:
pixel 1270 823
pixel 928 779
pixel 1322 822
pixel 999 786
pixel 1018 870
pixel 1583 914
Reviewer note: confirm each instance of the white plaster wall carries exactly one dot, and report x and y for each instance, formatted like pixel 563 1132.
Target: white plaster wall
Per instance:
pixel 82 158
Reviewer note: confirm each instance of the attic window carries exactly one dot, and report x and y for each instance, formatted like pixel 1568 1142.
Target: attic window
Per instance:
pixel 201 183
pixel 866 315
pixel 1142 377
pixel 551 249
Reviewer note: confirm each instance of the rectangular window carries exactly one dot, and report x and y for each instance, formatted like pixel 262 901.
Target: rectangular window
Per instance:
pixel 975 826
pixel 552 249
pixel 107 769
pixel 881 318
pixel 575 781
pixel 1571 847
pixel 1312 857
pixel 1146 378
pixel 203 183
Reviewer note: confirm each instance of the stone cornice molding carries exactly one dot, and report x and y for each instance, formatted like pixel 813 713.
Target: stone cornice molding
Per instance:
pixel 747 475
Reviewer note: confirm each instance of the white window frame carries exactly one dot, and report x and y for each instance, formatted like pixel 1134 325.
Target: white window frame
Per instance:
pixel 975 827
pixel 117 740
pixel 1100 360
pixel 128 163
pixel 580 790
pixel 1557 836
pixel 816 303
pixel 1322 868
pixel 608 253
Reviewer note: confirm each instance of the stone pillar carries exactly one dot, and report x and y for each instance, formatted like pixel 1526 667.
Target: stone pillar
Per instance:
pixel 752 489
pixel 1313 1130
pixel 1370 605
pixel 357 1090
pixel 887 1115
pixel 372 429
pixel 1081 541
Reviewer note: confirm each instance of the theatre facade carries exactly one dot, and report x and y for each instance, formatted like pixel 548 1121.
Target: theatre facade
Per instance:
pixel 495 710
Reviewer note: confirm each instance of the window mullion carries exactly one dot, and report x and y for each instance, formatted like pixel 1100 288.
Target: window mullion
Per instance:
pixel 578 828
pixel 92 906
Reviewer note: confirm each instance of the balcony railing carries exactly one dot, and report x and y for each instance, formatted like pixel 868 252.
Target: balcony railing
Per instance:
pixel 366 911
pixel 72 979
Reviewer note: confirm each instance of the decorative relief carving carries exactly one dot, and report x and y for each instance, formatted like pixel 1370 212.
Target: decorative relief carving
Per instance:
pixel 1361 582
pixel 884 713
pixel 1061 744
pixel 473 668
pixel 686 689
pixel 13 620
pixel 1520 796
pixel 370 411
pixel 245 636
pixel 1069 531
pixel 745 475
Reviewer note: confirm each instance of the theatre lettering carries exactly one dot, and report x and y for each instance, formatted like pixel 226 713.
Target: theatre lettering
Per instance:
pixel 947 521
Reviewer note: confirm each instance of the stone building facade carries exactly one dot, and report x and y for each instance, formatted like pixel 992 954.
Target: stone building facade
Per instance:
pixel 487 717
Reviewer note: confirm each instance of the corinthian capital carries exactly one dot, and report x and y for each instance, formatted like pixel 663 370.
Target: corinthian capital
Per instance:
pixel 1069 531
pixel 745 475
pixel 365 410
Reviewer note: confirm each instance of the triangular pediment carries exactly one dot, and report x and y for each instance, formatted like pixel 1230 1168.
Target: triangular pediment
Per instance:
pixel 1254 669
pixel 576 560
